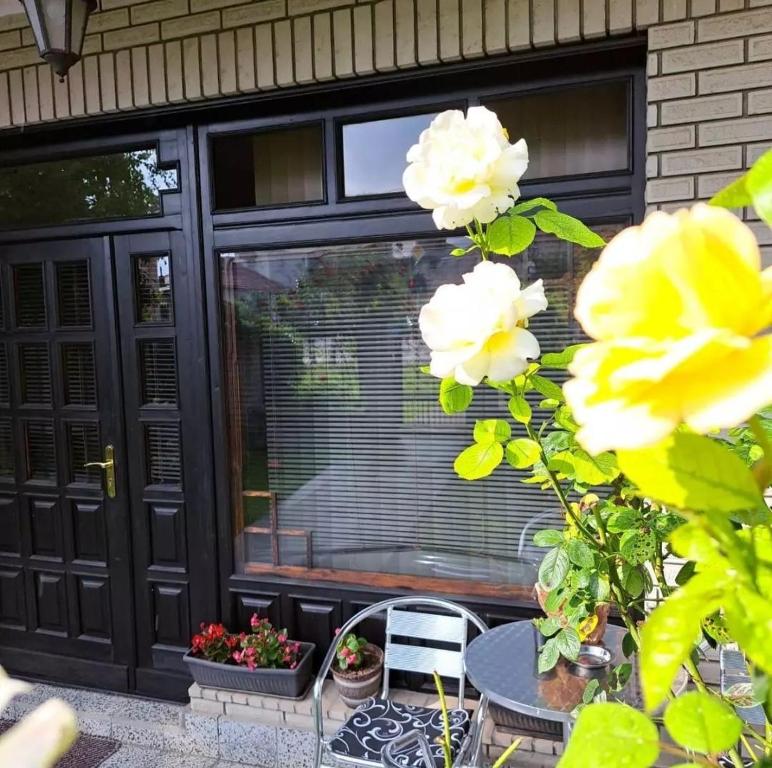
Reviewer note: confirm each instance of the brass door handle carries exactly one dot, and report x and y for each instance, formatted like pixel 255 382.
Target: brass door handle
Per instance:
pixel 108 465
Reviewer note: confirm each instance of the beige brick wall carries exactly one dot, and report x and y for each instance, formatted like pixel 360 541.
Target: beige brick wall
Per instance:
pixel 710 102
pixel 709 62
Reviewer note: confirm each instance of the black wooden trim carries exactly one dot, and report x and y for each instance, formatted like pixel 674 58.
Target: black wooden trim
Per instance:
pixel 49 668
pixel 421 81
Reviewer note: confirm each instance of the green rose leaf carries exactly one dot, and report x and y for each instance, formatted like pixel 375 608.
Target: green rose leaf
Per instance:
pixel 735 195
pixel 693 472
pixel 628 645
pixel 693 542
pixel 624 520
pixel 607 463
pixel 567 228
pixel 564 419
pixel 638 546
pixel 553 569
pixel 670 632
pixel 560 360
pixel 549 626
pixel 749 620
pixel 703 723
pixel 754 188
pixel 479 460
pixel 589 692
pixel 458 252
pixel 587 470
pixel 510 235
pixel 522 452
pixel 492 429
pixel 546 387
pixel 579 553
pixel 548 656
pixel 611 734
pixel 529 205
pixel 568 643
pixel 520 409
pixel 548 538
pixel 599 587
pixel 759 184
pixel 455 397
pixel 632 581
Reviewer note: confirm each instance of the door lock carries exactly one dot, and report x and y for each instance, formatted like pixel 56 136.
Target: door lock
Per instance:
pixel 108 465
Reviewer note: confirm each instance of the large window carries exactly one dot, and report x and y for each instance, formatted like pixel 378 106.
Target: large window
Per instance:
pixel 341 458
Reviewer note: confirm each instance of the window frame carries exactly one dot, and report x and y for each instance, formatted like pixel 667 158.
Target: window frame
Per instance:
pixel 617 195
pixel 164 144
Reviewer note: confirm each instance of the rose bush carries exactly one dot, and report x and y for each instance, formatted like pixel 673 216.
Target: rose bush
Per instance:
pixel 676 307
pixel 476 329
pixel 464 169
pixel 679 312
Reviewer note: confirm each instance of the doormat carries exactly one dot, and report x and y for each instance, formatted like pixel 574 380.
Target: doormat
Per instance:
pixel 86 752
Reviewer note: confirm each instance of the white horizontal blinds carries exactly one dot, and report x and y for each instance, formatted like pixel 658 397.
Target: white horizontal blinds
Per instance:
pixel 335 418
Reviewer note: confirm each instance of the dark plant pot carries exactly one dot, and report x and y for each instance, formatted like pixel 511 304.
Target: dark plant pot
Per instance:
pixel 359 685
pixel 289 683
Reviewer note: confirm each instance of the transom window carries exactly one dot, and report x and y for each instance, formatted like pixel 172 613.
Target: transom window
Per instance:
pixel 114 185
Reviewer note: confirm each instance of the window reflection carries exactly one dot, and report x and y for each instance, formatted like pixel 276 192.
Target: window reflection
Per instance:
pixel 340 457
pixel 571 131
pixel 374 153
pixel 119 185
pixel 268 168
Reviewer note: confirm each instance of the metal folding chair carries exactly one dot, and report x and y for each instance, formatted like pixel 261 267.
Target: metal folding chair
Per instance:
pixel 407 732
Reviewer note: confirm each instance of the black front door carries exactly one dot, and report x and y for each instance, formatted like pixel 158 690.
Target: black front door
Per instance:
pixel 66 611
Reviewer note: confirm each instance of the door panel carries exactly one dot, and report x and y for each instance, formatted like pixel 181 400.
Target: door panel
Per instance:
pixel 64 545
pixel 166 406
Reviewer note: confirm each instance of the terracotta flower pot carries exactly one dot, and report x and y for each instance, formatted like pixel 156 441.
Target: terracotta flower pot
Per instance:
pixel 601 611
pixel 357 685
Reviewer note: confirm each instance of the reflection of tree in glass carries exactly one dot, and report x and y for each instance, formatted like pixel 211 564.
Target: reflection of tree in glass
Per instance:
pixel 339 305
pixel 117 185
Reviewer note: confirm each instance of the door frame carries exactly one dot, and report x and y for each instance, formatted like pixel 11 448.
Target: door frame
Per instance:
pixel 179 220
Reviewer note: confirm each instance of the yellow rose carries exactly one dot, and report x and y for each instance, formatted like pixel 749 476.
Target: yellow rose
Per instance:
pixel 678 307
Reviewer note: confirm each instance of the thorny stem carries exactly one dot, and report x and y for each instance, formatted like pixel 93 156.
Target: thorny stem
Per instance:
pixel 671 749
pixel 748 748
pixel 694 673
pixel 482 240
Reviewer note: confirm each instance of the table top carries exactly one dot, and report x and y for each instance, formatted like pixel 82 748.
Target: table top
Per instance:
pixel 501 663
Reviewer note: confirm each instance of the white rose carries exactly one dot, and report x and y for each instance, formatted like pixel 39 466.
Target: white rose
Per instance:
pixel 476 329
pixel 464 168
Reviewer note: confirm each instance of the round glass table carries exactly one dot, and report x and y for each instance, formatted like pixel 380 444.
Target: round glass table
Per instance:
pixel 501 663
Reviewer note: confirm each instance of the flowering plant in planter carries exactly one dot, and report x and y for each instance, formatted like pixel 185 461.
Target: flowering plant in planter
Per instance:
pixel 358 669
pixel 266 647
pixel 678 311
pixel 263 660
pixel 350 653
pixel 214 643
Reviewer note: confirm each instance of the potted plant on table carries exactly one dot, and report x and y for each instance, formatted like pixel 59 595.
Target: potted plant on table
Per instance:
pixel 358 669
pixel 263 660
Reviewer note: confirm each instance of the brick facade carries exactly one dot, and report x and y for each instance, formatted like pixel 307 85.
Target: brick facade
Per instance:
pixel 709 63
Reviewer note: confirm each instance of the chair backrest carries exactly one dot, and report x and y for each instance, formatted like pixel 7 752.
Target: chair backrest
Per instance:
pixel 448 625
pixel 448 628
